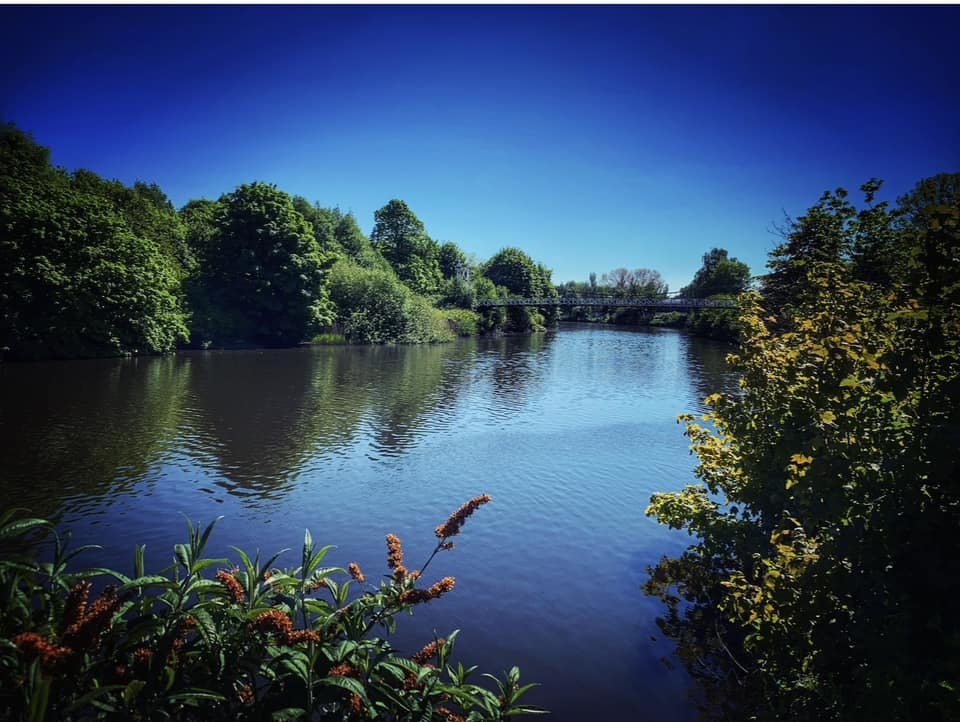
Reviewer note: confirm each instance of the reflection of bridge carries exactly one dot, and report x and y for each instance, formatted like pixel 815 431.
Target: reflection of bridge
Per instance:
pixel 666 304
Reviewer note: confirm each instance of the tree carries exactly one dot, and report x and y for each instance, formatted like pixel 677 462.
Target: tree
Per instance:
pixel 819 236
pixel 619 280
pixel 514 271
pixel 718 275
pixel 647 283
pixel 265 273
pixel 453 262
pixel 75 280
pixel 823 577
pixel 400 237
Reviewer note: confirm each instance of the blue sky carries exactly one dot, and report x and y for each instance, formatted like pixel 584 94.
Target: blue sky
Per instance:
pixel 591 137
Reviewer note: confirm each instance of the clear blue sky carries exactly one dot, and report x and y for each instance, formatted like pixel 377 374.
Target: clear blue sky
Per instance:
pixel 591 137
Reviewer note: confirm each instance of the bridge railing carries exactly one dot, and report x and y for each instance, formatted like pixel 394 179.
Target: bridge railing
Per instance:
pixel 609 301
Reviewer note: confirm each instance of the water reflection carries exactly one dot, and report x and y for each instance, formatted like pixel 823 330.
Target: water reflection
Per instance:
pixel 77 434
pixel 707 367
pixel 262 419
pixel 569 432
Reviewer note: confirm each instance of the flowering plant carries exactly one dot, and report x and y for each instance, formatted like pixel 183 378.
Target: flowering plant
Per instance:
pixel 253 642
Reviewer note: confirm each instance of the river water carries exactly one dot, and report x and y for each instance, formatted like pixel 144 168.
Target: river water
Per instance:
pixel 570 432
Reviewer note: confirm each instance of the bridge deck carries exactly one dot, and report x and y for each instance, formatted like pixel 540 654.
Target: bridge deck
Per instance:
pixel 671 304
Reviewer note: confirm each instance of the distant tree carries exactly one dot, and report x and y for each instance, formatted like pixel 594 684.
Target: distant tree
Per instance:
pixel 719 274
pixel 75 279
pixel 400 237
pixel 647 283
pixel 265 273
pixel 323 221
pixel 619 280
pixel 452 260
pixel 517 273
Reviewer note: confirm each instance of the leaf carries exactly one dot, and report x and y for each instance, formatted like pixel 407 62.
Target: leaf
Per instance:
pixel 196 696
pixel 827 417
pixel 288 714
pixel 19 528
pixel 348 683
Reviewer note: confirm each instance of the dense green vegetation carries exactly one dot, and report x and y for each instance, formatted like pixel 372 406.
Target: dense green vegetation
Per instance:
pixel 91 267
pixel 825 571
pixel 253 642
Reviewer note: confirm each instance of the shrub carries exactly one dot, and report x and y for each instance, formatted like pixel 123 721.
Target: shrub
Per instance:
pixel 252 642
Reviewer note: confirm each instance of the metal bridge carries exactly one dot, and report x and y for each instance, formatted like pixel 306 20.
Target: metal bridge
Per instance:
pixel 666 304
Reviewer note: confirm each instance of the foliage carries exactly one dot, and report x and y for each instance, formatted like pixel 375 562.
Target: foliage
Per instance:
pixel 462 321
pixel 262 276
pixel 514 271
pixel 75 279
pixel 826 564
pixel 452 260
pixel 642 282
pixel 374 306
pixel 400 237
pixel 722 324
pixel 329 339
pixel 719 275
pixel 249 642
pixel 669 319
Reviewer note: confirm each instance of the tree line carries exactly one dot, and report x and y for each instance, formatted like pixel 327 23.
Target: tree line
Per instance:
pixel 720 277
pixel 822 579
pixel 91 267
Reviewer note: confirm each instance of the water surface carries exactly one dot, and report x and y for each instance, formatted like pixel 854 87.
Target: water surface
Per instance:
pixel 570 432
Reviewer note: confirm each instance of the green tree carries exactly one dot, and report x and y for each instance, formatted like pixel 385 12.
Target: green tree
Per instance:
pixel 147 211
pixel 517 273
pixel 452 260
pixel 264 275
pixel 400 237
pixel 826 564
pixel 719 274
pixel 374 306
pixel 821 235
pixel 75 280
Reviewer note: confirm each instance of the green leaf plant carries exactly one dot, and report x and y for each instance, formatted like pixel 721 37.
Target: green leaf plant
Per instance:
pixel 204 640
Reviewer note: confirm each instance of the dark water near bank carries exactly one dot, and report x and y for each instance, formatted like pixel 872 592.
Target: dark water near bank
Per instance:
pixel 569 432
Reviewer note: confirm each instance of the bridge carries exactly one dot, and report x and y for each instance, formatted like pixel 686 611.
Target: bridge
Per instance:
pixel 666 304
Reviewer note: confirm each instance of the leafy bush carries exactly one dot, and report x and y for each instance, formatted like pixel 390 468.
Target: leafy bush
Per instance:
pixel 252 642
pixel 329 339
pixel 669 319
pixel 824 574
pixel 373 306
pixel 463 322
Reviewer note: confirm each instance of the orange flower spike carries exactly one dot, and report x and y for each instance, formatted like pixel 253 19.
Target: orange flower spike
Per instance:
pixel 76 605
pixel 303 635
pixel 356 704
pixel 428 652
pixel 34 646
pixel 274 622
pixel 232 585
pixel 394 551
pixel 448 715
pixel 344 669
pixel 356 573
pixel 85 634
pixel 452 526
pixel 442 587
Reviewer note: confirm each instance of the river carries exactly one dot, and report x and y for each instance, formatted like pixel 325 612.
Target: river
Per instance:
pixel 570 432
